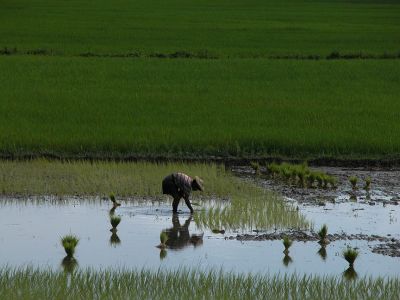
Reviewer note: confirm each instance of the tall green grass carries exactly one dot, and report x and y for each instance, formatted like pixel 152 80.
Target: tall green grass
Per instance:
pixel 186 108
pixel 32 283
pixel 224 28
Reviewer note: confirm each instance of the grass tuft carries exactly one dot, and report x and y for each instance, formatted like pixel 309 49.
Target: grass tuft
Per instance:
pixel 353 180
pixel 163 237
pixel 323 232
pixel 115 220
pixel 287 242
pixel 69 242
pixel 367 185
pixel 350 255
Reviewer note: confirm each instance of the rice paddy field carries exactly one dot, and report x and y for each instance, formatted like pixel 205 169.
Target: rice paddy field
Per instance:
pixel 98 85
pixel 121 108
pixel 288 79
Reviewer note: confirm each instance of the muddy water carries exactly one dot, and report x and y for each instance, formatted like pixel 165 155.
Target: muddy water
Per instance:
pixel 31 231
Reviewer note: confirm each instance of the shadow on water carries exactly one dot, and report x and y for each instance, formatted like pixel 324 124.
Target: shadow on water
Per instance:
pixel 350 274
pixel 69 264
pixel 287 260
pixel 322 253
pixel 179 236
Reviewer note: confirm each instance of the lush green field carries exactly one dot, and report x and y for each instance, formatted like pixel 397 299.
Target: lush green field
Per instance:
pixel 224 28
pixel 241 107
pixel 185 284
pixel 241 104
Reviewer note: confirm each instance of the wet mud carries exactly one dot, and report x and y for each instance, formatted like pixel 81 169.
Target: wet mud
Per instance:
pixel 385 187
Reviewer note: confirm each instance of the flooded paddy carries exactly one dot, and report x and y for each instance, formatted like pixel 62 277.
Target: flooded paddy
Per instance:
pixel 32 228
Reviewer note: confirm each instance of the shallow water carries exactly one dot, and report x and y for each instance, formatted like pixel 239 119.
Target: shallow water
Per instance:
pixel 31 231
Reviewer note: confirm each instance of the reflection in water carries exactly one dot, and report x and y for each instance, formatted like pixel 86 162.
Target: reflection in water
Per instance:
pixel 114 239
pixel 163 254
pixel 179 236
pixel 287 260
pixel 350 274
pixel 112 211
pixel 69 264
pixel 322 252
pixel 353 197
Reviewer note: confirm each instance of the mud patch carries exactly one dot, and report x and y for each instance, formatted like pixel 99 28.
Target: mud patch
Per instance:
pixel 384 189
pixel 391 248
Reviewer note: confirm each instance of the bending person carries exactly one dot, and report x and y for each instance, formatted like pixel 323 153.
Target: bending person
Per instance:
pixel 179 185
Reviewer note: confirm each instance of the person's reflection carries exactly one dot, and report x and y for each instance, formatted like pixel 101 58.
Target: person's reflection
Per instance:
pixel 179 236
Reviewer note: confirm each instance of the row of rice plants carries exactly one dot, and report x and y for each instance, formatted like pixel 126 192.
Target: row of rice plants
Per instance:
pixel 31 283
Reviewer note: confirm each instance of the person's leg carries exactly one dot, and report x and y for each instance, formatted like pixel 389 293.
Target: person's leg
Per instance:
pixel 175 204
pixel 189 205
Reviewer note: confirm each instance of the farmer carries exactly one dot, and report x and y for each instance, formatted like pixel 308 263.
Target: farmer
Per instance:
pixel 180 185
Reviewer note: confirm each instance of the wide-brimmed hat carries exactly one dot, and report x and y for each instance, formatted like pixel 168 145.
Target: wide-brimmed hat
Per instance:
pixel 199 182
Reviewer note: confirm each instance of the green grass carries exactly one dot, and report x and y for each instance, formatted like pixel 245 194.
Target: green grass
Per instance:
pixel 69 242
pixel 32 283
pixel 323 232
pixel 350 255
pixel 227 201
pixel 115 220
pixel 301 175
pixel 225 28
pixel 184 108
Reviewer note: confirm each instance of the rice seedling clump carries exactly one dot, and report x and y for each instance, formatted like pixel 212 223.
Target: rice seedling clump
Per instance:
pixel 301 175
pixel 115 220
pixel 69 242
pixel 353 180
pixel 350 255
pixel 322 234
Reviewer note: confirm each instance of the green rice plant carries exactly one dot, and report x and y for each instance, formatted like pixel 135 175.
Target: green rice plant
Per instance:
pixel 331 180
pixel 350 255
pixel 273 168
pixel 353 180
pixel 163 240
pixel 367 185
pixel 163 237
pixel 311 177
pixel 287 242
pixel 264 129
pixel 112 197
pixel 305 176
pixel 184 283
pixel 115 220
pixel 256 167
pixel 69 242
pixel 322 233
